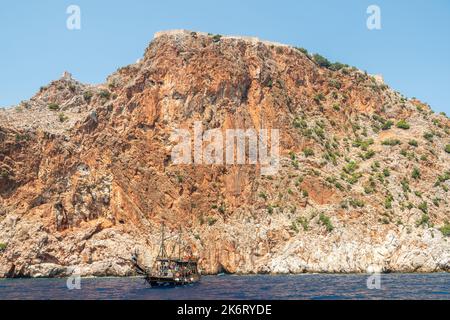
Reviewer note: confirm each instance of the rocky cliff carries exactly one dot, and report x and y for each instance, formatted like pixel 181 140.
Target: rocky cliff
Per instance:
pixel 86 175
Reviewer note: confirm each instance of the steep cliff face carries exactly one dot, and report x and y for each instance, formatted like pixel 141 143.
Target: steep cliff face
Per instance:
pixel 86 174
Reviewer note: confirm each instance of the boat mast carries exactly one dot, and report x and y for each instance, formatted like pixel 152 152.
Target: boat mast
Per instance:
pixel 162 249
pixel 179 244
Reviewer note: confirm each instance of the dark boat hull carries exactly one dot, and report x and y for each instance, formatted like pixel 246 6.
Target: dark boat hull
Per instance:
pixel 171 282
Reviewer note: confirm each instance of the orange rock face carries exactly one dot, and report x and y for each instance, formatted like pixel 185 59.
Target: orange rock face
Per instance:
pixel 80 195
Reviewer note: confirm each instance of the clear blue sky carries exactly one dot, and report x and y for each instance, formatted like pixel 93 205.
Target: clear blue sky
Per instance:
pixel 412 50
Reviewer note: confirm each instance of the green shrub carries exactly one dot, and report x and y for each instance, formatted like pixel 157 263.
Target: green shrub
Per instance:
pixel 302 50
pixel 402 124
pixel 386 172
pixel 387 125
pixel 217 38
pixel 424 220
pixel 304 223
pixel 300 123
pixel 211 221
pixel 321 61
pixel 319 97
pixel 413 143
pixel 53 107
pixel 390 142
pixel 363 144
pixel 319 132
pixel 87 96
pixel 447 148
pixel 4 173
pixel 423 207
pixel 335 83
pixel 445 229
pixel 22 137
pixel 336 66
pixel 222 209
pixel 62 117
pixel 388 202
pixel 105 94
pixel 308 152
pixel 368 155
pixel 356 203
pixel 3 247
pixel 294 227
pixel 263 195
pixel 405 185
pixel 326 221
pixel 416 173
pixel 351 167
pixel 428 136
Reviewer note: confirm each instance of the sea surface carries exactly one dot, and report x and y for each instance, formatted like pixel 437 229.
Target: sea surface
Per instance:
pixel 270 287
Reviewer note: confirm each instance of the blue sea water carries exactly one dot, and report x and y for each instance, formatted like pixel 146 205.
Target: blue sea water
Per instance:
pixel 270 287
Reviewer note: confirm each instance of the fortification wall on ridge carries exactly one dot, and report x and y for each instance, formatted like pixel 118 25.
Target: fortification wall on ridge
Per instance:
pixel 254 40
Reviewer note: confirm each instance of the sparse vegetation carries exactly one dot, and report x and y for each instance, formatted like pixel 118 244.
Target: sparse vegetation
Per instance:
pixel 445 229
pixel 4 173
pixel 416 173
pixel 405 186
pixel 105 94
pixel 304 223
pixel 22 137
pixel 423 207
pixel 387 125
pixel 413 143
pixel 356 203
pixel 53 107
pixel 294 227
pixel 368 155
pixel 391 142
pixel 302 50
pixel 351 167
pixel 335 83
pixel 308 152
pixel 88 96
pixel 211 221
pixel 388 202
pixel 428 136
pixel 402 124
pixel 217 37
pixel 300 123
pixel 319 97
pixel 222 209
pixel 424 220
pixel 336 66
pixel 321 61
pixel 363 144
pixel 63 117
pixel 326 221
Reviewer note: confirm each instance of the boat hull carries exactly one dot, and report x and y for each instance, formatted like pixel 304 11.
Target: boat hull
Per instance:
pixel 172 282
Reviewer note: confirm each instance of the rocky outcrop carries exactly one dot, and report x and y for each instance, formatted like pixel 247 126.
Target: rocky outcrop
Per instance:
pixel 86 175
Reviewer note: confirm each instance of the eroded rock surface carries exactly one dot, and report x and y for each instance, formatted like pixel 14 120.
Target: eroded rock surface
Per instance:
pixel 86 175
